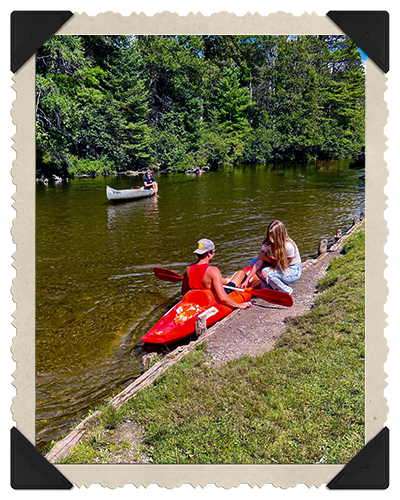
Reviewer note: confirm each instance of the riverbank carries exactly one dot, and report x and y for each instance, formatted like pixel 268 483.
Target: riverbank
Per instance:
pixel 129 173
pixel 270 385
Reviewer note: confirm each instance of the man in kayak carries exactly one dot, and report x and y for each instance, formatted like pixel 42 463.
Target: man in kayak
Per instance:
pixel 202 276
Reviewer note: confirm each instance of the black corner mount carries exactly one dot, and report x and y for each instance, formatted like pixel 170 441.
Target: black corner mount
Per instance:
pixel 369 30
pixel 30 30
pixel 30 470
pixel 369 469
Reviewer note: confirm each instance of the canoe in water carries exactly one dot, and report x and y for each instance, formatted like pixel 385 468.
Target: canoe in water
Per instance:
pixel 127 194
pixel 180 321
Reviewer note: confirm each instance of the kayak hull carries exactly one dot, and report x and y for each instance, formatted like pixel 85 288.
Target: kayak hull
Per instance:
pixel 116 195
pixel 180 321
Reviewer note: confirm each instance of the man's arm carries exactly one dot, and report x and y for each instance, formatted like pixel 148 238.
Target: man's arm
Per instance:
pixel 185 283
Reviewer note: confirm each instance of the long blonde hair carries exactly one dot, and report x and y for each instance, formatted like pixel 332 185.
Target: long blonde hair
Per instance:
pixel 277 237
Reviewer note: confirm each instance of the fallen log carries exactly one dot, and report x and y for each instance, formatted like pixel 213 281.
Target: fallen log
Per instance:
pixel 338 245
pixel 65 445
pixel 62 448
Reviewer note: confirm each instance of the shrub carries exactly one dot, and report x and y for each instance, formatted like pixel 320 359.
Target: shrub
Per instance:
pixel 82 166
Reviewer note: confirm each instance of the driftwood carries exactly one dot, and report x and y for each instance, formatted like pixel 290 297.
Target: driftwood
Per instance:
pixel 201 325
pixel 323 251
pixel 323 247
pixel 63 447
pixel 196 170
pixel 147 360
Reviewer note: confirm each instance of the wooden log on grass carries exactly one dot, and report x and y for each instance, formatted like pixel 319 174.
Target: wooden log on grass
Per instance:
pixel 63 447
pixel 323 247
pixel 201 325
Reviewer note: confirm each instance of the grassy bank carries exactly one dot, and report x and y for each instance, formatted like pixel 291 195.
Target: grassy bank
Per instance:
pixel 302 402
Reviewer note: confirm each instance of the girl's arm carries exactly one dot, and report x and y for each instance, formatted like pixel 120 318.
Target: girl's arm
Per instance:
pixel 254 270
pixel 268 258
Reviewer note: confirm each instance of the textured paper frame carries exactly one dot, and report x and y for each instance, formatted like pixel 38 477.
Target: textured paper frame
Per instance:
pixel 24 175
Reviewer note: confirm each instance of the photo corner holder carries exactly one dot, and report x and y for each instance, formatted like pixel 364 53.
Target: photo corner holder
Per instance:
pixel 30 30
pixel 369 469
pixel 369 30
pixel 30 470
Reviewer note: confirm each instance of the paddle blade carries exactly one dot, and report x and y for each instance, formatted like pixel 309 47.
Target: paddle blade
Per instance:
pixel 167 275
pixel 274 296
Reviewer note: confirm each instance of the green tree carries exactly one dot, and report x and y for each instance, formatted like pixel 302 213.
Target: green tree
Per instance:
pixel 228 105
pixel 91 104
pixel 173 72
pixel 116 102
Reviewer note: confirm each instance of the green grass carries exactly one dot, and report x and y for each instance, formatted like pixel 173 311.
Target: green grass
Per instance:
pixel 301 403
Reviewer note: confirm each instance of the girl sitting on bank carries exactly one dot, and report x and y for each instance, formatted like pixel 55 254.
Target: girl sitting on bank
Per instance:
pixel 278 264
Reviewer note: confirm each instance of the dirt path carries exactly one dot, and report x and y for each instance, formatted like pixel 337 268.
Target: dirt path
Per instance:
pixel 254 331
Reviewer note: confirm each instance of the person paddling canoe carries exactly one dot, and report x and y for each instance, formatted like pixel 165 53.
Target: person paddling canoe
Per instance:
pixel 202 276
pixel 149 181
pixel 279 263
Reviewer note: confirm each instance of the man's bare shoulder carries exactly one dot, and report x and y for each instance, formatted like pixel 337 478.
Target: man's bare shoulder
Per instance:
pixel 213 271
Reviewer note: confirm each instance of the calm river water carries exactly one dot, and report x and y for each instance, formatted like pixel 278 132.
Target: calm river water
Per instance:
pixel 96 294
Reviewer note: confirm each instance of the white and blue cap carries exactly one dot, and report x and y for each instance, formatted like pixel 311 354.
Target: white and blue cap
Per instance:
pixel 204 245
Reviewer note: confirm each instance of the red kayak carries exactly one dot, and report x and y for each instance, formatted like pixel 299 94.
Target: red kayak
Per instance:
pixel 180 321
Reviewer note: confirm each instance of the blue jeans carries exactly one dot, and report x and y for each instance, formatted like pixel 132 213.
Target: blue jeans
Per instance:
pixel 276 278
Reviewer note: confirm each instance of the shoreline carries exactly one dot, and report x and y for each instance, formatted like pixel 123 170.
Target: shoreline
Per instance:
pixel 353 164
pixel 240 333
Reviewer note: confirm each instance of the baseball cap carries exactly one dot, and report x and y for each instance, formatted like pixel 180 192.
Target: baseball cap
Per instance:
pixel 204 245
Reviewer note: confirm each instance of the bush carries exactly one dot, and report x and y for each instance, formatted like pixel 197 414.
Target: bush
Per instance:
pixel 87 166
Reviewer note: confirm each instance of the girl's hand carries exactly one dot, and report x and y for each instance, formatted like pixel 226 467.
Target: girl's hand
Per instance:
pixel 245 283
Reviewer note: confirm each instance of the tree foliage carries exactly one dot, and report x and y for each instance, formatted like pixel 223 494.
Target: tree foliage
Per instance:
pixel 108 103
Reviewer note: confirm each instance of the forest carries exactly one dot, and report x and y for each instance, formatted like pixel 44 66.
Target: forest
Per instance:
pixel 109 104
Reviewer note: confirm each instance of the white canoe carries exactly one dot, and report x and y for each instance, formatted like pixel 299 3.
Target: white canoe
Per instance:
pixel 127 194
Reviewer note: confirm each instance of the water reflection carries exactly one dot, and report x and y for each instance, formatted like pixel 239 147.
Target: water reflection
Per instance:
pixel 123 212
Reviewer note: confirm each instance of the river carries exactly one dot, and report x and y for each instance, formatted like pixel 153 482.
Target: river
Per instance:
pixel 96 294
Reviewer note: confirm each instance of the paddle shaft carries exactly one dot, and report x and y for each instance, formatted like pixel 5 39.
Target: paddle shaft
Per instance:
pixel 273 296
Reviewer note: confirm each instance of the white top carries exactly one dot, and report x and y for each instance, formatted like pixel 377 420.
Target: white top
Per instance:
pixel 292 252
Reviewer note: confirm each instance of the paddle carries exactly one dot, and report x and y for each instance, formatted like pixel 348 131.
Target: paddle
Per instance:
pixel 167 275
pixel 272 296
